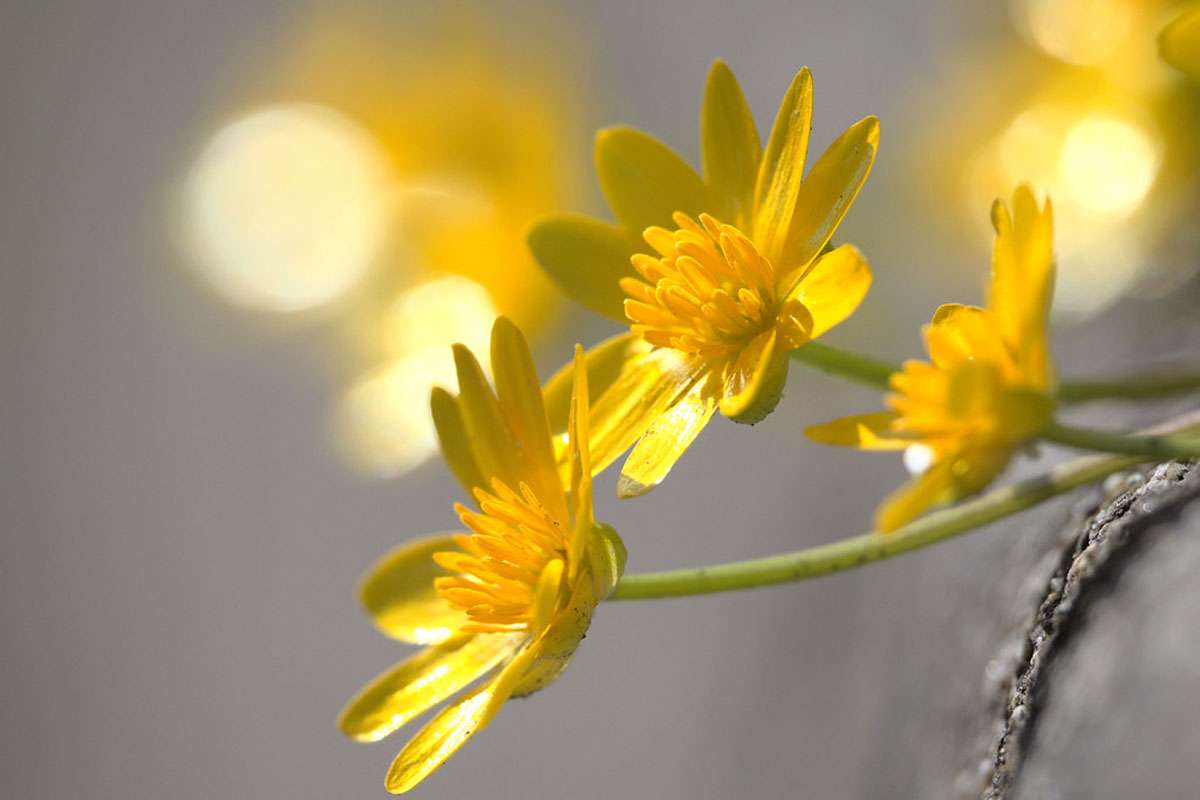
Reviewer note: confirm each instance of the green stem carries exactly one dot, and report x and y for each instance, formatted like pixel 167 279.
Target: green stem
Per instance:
pixel 1133 387
pixel 1160 447
pixel 858 551
pixel 845 364
pixel 876 372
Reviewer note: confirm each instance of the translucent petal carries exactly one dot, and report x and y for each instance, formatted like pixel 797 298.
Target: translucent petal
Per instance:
pixel 834 287
pixel 520 396
pixel 729 146
pixel 1179 42
pixel 411 687
pixel 605 363
pixel 398 593
pixel 1022 286
pixel 453 726
pixel 587 259
pixel 828 190
pixel 755 383
pixel 644 181
pixel 864 431
pixel 782 168
pixel 454 439
pixel 670 433
pixel 630 386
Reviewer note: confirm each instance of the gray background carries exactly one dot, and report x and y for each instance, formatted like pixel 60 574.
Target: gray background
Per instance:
pixel 181 544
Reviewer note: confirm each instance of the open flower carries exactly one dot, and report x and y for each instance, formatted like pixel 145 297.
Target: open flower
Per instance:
pixel 512 599
pixel 718 277
pixel 988 386
pixel 1179 42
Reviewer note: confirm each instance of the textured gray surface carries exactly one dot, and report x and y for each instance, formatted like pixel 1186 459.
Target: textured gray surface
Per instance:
pixel 180 546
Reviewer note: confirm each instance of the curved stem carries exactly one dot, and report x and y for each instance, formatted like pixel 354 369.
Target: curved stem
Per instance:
pixel 1161 447
pixel 858 551
pixel 845 364
pixel 1132 387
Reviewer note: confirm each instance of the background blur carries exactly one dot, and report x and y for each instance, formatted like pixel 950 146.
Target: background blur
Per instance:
pixel 238 238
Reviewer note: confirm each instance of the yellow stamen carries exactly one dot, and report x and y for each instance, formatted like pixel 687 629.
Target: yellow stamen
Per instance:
pixel 513 538
pixel 709 293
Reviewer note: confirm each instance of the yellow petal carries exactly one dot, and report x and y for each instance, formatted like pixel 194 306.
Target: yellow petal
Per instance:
pixel 398 593
pixel 668 436
pixel 645 181
pixel 558 641
pixel 411 687
pixel 935 485
pixel 453 726
pixel 1179 42
pixel 834 287
pixel 782 168
pixel 520 394
pixel 755 383
pixel 587 259
pixel 825 196
pixel 492 441
pixel 630 386
pixel 605 363
pixel 958 333
pixel 581 466
pixel 864 431
pixel 729 146
pixel 454 440
pixel 1022 286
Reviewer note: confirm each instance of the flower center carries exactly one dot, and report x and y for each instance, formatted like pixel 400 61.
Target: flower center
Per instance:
pixel 709 292
pixel 513 539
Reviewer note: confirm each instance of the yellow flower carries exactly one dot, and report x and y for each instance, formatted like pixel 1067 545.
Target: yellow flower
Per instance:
pixel 718 277
pixel 1179 42
pixel 512 599
pixel 988 387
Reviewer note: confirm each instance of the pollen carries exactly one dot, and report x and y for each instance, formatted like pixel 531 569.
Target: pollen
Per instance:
pixel 513 538
pixel 709 291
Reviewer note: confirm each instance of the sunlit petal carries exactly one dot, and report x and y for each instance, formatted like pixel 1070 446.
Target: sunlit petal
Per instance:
pixel 781 171
pixel 492 439
pixel 411 687
pixel 644 181
pixel 587 259
pixel 398 593
pixel 829 189
pixel 864 431
pixel 834 288
pixel 446 733
pixel 729 145
pixel 1023 278
pixel 755 382
pixel 520 394
pixel 454 440
pixel 666 439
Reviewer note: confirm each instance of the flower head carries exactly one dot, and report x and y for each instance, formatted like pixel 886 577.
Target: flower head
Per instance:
pixel 718 277
pixel 988 386
pixel 509 600
pixel 1179 42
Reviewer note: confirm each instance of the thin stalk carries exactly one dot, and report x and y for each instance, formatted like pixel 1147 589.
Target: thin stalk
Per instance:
pixel 1149 446
pixel 845 364
pixel 1132 387
pixel 858 551
pixel 872 371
